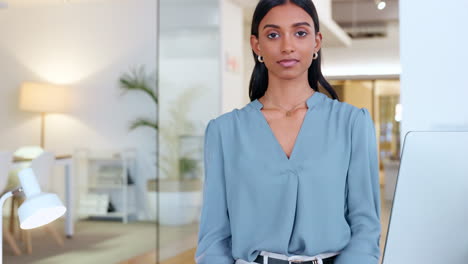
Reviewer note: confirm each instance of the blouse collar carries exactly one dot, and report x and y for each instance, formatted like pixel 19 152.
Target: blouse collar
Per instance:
pixel 312 101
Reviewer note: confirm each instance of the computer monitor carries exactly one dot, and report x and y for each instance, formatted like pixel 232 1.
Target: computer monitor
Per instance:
pixel 429 218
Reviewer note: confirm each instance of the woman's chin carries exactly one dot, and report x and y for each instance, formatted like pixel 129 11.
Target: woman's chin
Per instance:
pixel 289 75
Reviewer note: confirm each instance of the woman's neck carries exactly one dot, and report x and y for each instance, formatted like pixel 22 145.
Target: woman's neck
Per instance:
pixel 287 93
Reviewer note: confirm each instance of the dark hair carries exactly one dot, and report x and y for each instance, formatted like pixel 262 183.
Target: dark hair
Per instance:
pixel 259 80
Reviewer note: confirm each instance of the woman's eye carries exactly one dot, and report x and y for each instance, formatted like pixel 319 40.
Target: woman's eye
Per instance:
pixel 301 33
pixel 272 35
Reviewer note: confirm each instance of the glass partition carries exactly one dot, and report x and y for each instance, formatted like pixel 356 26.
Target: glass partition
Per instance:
pixel 189 89
pixel 101 54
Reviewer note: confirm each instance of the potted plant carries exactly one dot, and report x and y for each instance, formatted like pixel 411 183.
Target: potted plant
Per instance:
pixel 179 186
pixel 188 168
pixel 138 80
pixel 180 183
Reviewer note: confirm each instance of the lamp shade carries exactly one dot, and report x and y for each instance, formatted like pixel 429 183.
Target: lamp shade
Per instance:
pixel 39 208
pixel 44 98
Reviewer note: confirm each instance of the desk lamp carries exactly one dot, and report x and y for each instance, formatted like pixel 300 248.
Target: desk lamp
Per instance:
pixel 37 210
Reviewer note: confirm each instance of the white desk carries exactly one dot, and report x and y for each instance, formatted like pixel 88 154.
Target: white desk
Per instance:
pixel 67 162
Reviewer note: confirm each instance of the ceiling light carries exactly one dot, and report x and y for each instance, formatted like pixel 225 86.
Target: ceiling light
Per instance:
pixel 381 5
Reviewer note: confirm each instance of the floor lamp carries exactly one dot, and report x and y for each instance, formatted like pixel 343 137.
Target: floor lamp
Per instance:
pixel 43 98
pixel 37 210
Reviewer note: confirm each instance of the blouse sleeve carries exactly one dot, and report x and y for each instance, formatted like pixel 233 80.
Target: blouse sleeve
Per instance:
pixel 214 237
pixel 363 195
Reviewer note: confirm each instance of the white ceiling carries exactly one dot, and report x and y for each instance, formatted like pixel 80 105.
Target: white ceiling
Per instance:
pixel 364 12
pixel 35 3
pixel 344 11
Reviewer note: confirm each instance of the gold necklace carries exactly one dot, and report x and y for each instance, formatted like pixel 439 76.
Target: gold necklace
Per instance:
pixel 288 112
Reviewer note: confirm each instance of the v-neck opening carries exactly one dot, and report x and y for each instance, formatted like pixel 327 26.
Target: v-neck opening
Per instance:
pixel 296 140
pixel 311 102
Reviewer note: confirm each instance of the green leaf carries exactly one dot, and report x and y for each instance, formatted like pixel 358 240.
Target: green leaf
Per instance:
pixel 143 122
pixel 139 80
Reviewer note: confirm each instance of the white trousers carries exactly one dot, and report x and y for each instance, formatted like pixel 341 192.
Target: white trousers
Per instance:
pixel 267 254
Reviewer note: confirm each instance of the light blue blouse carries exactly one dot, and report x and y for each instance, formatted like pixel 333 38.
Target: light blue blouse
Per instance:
pixel 324 198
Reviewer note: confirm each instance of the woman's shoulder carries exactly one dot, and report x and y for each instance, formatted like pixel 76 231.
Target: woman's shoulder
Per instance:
pixel 235 115
pixel 344 110
pixel 340 106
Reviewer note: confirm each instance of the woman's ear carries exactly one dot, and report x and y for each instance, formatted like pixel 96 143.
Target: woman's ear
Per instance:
pixel 255 45
pixel 318 41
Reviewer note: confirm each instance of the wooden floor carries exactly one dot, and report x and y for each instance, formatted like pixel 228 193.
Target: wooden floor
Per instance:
pixel 93 242
pixel 147 258
pixel 187 257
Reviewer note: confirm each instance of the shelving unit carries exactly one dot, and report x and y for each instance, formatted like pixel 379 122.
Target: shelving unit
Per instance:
pixel 106 190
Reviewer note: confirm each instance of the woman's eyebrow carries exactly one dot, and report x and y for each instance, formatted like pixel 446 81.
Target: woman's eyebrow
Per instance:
pixel 301 24
pixel 271 25
pixel 293 25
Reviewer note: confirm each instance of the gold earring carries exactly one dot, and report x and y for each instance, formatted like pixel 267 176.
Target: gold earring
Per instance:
pixel 315 56
pixel 260 58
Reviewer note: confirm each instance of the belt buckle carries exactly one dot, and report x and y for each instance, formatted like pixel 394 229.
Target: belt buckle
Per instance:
pixel 300 261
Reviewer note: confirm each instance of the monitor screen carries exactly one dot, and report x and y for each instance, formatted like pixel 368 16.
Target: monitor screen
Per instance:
pixel 429 217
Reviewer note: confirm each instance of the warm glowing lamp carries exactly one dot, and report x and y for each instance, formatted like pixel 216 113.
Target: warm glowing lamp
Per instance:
pixel 43 98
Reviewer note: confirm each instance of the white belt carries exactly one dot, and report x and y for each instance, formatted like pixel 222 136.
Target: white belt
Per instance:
pixel 292 259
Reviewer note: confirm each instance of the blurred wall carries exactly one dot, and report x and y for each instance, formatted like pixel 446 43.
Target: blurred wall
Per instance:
pixel 434 88
pixel 232 39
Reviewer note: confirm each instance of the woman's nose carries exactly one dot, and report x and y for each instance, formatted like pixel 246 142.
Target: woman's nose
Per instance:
pixel 287 45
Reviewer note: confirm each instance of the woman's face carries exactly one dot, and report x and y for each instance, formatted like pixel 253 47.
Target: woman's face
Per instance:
pixel 287 41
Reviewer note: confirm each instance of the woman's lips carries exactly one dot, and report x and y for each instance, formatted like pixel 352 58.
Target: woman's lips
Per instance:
pixel 288 63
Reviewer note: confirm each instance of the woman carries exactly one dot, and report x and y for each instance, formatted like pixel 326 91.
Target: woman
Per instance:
pixel 293 175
